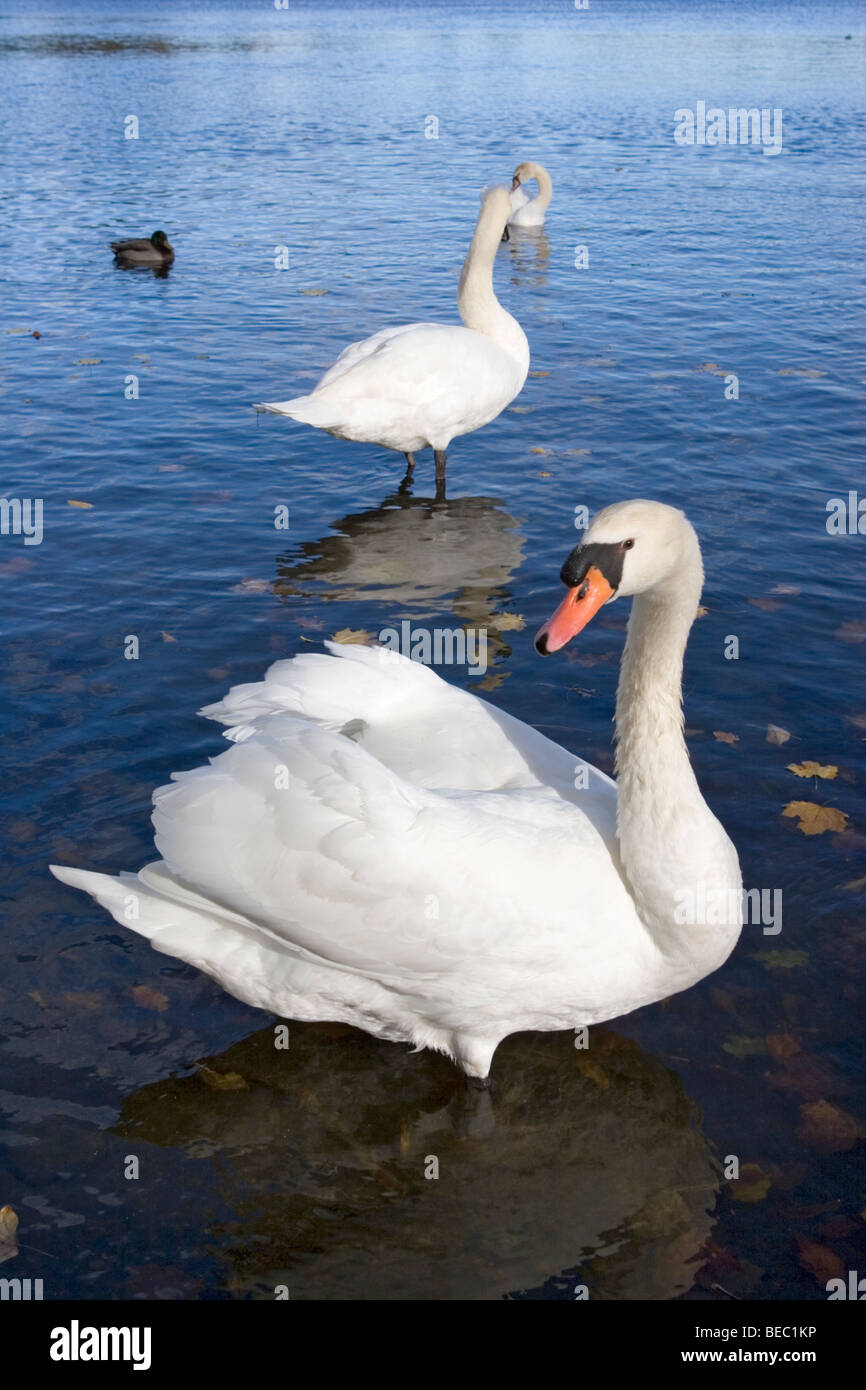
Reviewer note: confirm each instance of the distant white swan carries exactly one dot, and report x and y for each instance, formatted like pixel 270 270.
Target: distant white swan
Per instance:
pixel 526 211
pixel 422 384
pixel 381 848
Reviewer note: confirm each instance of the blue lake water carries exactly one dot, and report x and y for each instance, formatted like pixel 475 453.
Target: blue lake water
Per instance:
pixel 308 128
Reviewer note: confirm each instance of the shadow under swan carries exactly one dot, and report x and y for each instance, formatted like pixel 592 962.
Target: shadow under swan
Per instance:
pixel 352 1170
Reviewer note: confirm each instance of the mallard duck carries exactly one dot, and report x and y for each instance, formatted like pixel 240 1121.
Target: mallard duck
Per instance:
pixel 155 252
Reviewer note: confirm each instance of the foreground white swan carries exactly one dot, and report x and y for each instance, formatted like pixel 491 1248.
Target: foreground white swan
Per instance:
pixel 425 383
pixel 526 211
pixel 380 848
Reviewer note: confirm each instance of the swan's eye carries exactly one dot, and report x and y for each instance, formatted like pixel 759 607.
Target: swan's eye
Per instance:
pixel 627 545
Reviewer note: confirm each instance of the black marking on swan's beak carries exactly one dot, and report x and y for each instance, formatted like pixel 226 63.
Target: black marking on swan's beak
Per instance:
pixel 515 183
pixel 506 235
pixel 606 557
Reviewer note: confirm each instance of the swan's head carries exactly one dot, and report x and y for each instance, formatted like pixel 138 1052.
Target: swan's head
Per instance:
pixel 630 548
pixel 522 174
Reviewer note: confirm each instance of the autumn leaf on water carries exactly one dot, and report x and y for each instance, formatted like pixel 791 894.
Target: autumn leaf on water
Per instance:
pixel 782 1045
pixel 813 819
pixel 782 960
pixel 809 769
pixel 724 737
pixel 539 373
pixel 801 371
pixel 508 622
pixel 820 1260
pixel 851 633
pixel 777 735
pixel 752 1185
pixel 357 637
pixel 702 612
pixel 314 292
pixel 147 998
pixel 745 1047
pixel 222 1080
pixel 87 361
pixel 827 1129
pixel 73 502
pixel 167 637
pixel 537 449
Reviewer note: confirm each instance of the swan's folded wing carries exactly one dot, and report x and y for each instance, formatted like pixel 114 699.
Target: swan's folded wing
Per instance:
pixel 367 347
pixel 304 832
pixel 424 728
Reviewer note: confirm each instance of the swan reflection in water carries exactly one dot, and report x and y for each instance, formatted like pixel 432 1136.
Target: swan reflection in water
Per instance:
pixel 352 1169
pixel 413 552
pixel 529 251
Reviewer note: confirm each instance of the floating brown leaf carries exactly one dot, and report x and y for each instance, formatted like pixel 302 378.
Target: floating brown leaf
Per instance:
pixel 826 1129
pixel 739 1046
pixel 781 1045
pixel 820 1260
pixel 222 1080
pixel 852 632
pixel 826 770
pixel 147 998
pixel 752 1185
pixel 813 819
pixel 167 637
pixel 725 738
pixel 782 960
pixel 777 735
pixel 73 502
pixel 357 637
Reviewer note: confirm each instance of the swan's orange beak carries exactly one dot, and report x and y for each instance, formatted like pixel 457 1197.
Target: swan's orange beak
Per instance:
pixel 577 608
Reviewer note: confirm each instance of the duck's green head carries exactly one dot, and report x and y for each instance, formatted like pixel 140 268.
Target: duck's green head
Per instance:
pixel 160 241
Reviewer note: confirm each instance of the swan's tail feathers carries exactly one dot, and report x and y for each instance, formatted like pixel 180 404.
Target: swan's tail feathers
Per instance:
pixel 310 410
pixel 150 903
pixel 181 923
pixel 366 685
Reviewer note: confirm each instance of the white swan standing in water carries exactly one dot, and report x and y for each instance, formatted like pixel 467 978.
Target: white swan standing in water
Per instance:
pixel 526 211
pixel 428 870
pixel 422 384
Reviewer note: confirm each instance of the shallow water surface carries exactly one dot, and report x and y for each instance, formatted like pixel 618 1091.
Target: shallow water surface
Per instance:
pixel 306 129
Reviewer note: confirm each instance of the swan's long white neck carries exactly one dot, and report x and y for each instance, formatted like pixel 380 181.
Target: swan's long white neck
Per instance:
pixel 479 308
pixel 671 844
pixel 541 201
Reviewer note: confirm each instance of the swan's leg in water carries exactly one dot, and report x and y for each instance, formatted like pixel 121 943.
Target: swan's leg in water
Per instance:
pixel 439 457
pixel 410 473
